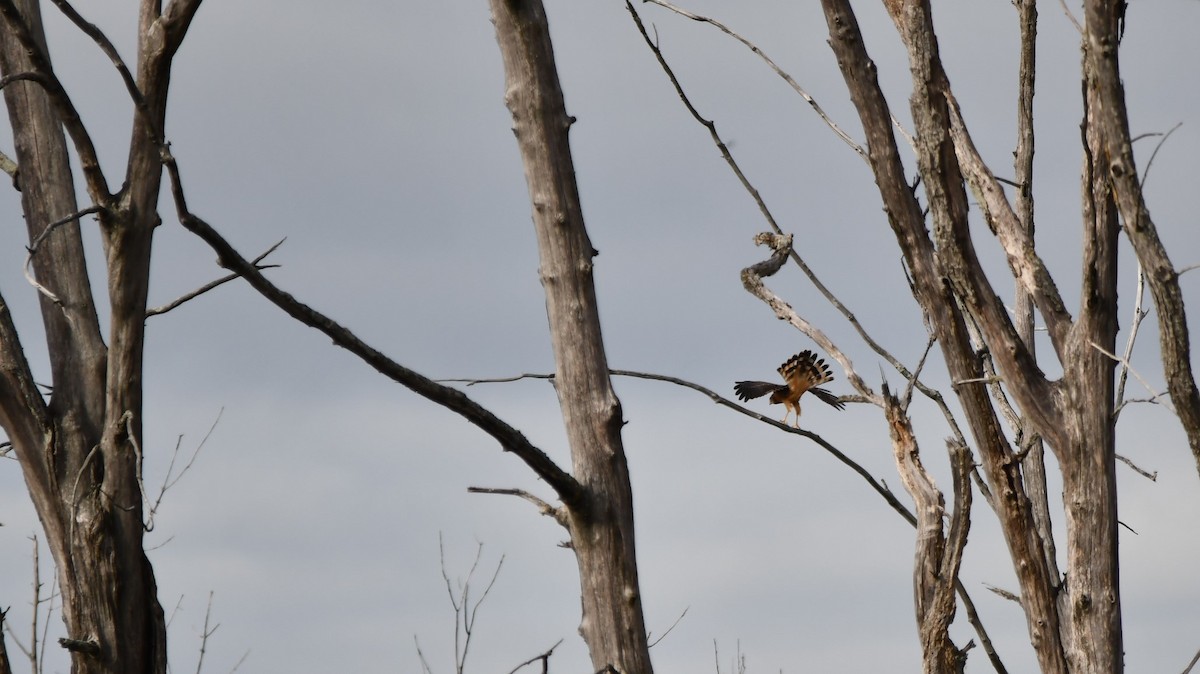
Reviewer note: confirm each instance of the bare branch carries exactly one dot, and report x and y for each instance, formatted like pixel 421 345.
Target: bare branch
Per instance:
pixel 879 488
pixel 205 634
pixel 1155 395
pixel 544 657
pixel 169 480
pixel 1101 38
pixel 669 629
pixel 708 124
pixel 1195 659
pixel 854 145
pixel 1027 267
pixel 10 167
pixel 752 280
pixel 32 249
pixel 1003 593
pixel 544 508
pixel 567 488
pixel 37 600
pixel 421 656
pixel 214 284
pixel 1070 15
pixel 1158 146
pixel 135 94
pixel 177 19
pixel 1139 315
pixel 1153 477
pixel 89 161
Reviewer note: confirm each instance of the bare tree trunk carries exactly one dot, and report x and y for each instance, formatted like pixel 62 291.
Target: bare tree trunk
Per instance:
pixel 602 531
pixel 1077 627
pixel 81 451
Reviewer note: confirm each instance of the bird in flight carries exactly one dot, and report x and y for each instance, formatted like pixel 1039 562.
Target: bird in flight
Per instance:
pixel 802 372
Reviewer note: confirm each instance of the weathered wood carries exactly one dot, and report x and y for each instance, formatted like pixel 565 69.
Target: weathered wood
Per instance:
pixel 602 530
pixel 938 554
pixel 81 452
pixel 940 282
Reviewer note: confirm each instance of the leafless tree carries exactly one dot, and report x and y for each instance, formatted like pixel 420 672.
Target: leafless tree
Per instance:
pixel 80 447
pixel 80 450
pixel 1073 615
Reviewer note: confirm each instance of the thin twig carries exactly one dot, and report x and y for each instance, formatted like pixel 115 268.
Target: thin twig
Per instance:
pixel 214 284
pixel 1157 147
pixel 854 145
pixel 1195 659
pixel 543 507
pixel 672 627
pixel 1067 10
pixel 1153 477
pixel 1156 396
pixel 238 664
pixel 37 599
pixel 1139 315
pixel 169 480
pixel 205 634
pixel 421 656
pixel 544 657
pixel 32 249
pixel 879 488
pixel 1003 593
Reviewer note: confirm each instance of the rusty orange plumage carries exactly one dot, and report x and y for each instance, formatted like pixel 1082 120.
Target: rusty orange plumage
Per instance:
pixel 802 373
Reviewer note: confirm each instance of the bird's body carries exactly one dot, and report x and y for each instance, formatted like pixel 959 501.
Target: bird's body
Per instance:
pixel 802 372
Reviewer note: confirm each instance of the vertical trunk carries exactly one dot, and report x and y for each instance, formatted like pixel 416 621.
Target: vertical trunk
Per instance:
pixel 937 277
pixel 80 453
pixel 602 530
pixel 1092 589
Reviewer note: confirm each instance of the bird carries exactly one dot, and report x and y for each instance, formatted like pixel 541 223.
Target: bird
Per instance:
pixel 802 372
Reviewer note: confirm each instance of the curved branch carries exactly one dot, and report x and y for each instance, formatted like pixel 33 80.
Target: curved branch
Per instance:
pixel 854 145
pixel 752 280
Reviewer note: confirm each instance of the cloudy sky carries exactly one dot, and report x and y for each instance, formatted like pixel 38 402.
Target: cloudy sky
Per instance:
pixel 373 136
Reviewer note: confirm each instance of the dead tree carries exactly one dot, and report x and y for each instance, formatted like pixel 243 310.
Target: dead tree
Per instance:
pixel 80 447
pixel 1074 624
pixel 1073 614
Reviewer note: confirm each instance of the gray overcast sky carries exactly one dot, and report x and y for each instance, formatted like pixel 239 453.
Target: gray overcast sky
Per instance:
pixel 373 136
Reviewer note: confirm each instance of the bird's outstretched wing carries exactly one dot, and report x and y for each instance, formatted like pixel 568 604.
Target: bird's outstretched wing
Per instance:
pixel 827 397
pixel 748 390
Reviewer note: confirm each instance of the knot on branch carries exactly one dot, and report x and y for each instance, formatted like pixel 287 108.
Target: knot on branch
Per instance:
pixel 84 646
pixel 781 245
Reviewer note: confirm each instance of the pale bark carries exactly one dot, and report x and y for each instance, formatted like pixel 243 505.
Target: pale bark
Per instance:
pixel 955 263
pixel 938 555
pixel 1076 626
pixel 80 452
pixel 602 530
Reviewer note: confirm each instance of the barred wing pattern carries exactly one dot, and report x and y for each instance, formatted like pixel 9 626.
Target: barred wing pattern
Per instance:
pixel 802 372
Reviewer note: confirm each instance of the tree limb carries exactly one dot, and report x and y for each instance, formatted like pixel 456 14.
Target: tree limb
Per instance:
pixel 1102 19
pixel 89 161
pixel 509 438
pixel 186 297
